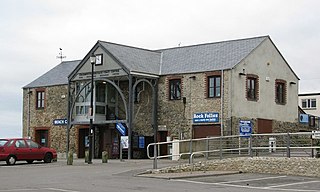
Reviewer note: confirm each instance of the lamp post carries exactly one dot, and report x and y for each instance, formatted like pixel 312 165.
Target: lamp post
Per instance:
pixel 92 61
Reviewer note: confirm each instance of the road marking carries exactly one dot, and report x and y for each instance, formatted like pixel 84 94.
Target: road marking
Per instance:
pixel 63 190
pixel 256 179
pixel 17 190
pixel 289 184
pixel 248 187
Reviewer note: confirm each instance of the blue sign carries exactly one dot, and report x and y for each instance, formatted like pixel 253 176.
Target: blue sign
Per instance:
pixel 60 121
pixel 208 117
pixel 121 129
pixel 304 118
pixel 141 142
pixel 245 128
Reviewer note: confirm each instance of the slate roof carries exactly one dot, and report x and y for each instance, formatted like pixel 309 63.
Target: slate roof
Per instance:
pixel 56 76
pixel 135 59
pixel 207 57
pixel 179 60
pixel 188 59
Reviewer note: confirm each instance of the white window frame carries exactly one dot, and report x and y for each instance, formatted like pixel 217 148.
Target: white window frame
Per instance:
pixel 309 103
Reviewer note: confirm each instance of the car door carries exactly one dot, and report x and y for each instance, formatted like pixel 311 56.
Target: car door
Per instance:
pixel 22 150
pixel 36 153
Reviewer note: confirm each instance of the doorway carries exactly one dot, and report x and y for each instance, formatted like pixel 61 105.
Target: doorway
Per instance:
pixel 41 137
pixel 162 137
pixel 83 142
pixel 264 126
pixel 203 131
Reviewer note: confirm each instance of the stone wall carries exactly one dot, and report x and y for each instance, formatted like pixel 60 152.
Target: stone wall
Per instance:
pixel 270 165
pixel 56 106
pixel 277 126
pixel 176 115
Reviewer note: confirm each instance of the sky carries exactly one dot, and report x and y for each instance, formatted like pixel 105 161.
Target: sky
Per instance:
pixel 32 31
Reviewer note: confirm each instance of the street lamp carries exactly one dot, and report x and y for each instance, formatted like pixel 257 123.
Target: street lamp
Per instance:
pixel 92 61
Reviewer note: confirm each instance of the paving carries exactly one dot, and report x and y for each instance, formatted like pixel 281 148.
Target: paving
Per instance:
pixel 131 175
pixel 185 175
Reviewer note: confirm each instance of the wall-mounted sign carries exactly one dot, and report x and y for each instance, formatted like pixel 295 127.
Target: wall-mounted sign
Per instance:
pixel 121 128
pixel 60 121
pixel 245 128
pixel 207 117
pixel 304 118
pixel 162 128
pixel 141 142
pixel 99 74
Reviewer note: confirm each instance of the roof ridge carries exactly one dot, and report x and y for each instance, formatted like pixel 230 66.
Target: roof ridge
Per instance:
pixel 201 44
pixel 128 46
pixel 71 61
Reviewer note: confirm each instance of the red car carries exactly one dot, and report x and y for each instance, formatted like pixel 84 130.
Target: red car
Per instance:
pixel 21 149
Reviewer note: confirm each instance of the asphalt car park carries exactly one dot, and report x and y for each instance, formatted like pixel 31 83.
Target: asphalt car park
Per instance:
pixel 119 175
pixel 259 182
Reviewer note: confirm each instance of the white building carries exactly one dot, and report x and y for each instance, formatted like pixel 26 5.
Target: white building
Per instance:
pixel 309 103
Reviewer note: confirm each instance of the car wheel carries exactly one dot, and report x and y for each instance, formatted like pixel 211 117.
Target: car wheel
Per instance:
pixel 11 160
pixel 29 161
pixel 47 158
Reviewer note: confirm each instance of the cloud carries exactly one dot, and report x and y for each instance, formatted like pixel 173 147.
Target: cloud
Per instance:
pixel 32 31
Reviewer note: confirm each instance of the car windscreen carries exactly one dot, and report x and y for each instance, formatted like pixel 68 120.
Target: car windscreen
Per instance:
pixel 3 142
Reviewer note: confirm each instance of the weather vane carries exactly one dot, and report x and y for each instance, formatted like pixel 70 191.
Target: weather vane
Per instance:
pixel 60 55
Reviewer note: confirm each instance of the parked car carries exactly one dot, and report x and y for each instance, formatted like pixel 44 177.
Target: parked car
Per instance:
pixel 22 149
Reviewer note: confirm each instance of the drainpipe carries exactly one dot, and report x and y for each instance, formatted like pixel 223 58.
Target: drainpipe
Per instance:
pixel 28 120
pixel 155 120
pixel 221 109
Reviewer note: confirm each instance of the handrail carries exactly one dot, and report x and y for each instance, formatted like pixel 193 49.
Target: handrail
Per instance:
pixel 285 145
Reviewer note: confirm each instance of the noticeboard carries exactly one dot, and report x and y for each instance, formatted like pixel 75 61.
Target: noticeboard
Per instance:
pixel 125 142
pixel 245 128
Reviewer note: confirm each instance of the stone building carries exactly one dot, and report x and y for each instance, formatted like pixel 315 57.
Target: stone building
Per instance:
pixel 183 92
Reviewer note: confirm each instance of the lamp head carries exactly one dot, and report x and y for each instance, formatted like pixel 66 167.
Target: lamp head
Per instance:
pixel 92 59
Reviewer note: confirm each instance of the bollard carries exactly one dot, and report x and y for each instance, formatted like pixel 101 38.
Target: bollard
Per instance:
pixel 70 158
pixel 86 156
pixel 104 156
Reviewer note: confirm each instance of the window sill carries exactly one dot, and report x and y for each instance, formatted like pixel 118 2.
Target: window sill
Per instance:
pixel 213 97
pixel 255 100
pixel 314 108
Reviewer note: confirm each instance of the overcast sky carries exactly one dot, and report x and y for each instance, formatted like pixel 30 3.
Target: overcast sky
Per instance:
pixel 32 31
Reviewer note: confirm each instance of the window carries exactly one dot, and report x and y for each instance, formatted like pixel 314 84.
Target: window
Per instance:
pixel 40 100
pixel 20 144
pixel 280 92
pixel 214 85
pixel 309 103
pixel 175 89
pixel 101 92
pixel 32 144
pixel 252 88
pixel 85 94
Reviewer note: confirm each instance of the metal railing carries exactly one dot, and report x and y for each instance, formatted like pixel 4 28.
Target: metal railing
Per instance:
pixel 289 145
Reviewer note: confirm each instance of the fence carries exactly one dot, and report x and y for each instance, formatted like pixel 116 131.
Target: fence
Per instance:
pixel 301 144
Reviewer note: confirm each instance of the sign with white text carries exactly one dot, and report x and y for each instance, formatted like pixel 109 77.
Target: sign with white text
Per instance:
pixel 208 117
pixel 60 121
pixel 245 128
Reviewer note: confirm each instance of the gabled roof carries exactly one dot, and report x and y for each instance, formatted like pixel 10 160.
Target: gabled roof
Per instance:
pixel 135 59
pixel 178 60
pixel 207 57
pixel 56 76
pixel 188 59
